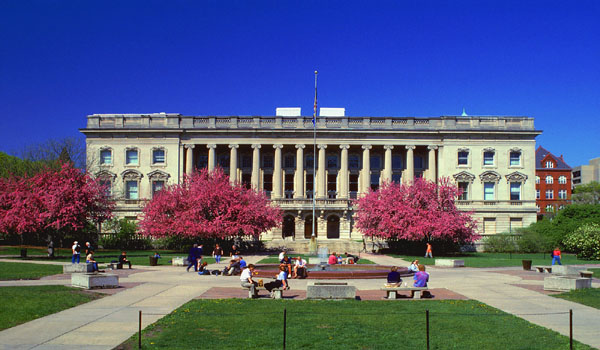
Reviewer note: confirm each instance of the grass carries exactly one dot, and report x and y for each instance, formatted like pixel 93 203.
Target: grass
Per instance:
pixel 499 259
pixel 24 271
pixel 274 259
pixel 258 324
pixel 588 296
pixel 23 304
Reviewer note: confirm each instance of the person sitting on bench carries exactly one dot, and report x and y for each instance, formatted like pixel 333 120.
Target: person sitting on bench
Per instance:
pixel 280 282
pixel 246 279
pixel 123 260
pixel 299 268
pixel 421 278
pixel 90 260
pixel 393 278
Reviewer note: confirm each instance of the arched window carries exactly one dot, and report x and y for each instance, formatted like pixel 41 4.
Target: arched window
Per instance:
pixel 562 179
pixel 549 179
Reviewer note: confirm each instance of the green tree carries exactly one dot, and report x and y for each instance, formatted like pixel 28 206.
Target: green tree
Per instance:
pixel 587 194
pixel 13 166
pixel 585 241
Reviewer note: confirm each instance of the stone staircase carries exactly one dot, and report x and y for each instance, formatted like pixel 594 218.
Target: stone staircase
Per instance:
pixel 302 247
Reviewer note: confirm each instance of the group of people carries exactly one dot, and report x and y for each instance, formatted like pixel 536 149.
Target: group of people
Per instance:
pixel 420 277
pixel 195 260
pixel 296 267
pixel 89 256
pixel 338 259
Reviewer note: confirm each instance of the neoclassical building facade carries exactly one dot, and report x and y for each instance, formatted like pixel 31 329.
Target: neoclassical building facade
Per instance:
pixel 492 159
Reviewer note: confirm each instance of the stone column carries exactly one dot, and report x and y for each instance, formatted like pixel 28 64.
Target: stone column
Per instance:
pixel 410 164
pixel 254 179
pixel 366 169
pixel 299 178
pixel 322 172
pixel 233 163
pixel 387 168
pixel 277 173
pixel 432 168
pixel 189 159
pixel 344 185
pixel 212 157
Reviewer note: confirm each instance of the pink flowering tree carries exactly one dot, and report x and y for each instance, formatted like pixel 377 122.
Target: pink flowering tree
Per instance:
pixel 53 202
pixel 423 211
pixel 207 205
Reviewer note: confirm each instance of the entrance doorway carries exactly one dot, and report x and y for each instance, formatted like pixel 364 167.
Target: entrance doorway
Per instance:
pixel 289 227
pixel 333 226
pixel 308 227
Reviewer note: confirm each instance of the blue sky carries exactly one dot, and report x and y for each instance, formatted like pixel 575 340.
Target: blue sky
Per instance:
pixel 63 60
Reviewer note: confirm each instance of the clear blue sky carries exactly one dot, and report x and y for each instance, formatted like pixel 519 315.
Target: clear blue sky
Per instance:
pixel 62 60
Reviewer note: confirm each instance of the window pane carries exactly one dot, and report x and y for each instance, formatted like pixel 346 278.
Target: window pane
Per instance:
pixel 158 156
pixel 537 194
pixel 332 162
pixel 488 158
pixel 375 162
pixel 131 188
pixel 309 162
pixel 223 161
pixel 107 187
pixel 131 157
pixel 464 188
pixel 396 162
pixel 374 182
pixel 488 191
pixel 105 157
pixel 463 158
pixel 562 180
pixel 202 162
pixel 268 161
pixel 515 158
pixel 157 186
pixel 353 161
pixel 537 179
pixel 397 178
pixel 289 162
pixel 246 161
pixel 515 191
pixel 549 179
pixel 418 162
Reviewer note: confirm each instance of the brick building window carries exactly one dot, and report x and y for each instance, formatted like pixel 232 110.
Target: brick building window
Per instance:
pixel 562 194
pixel 549 194
pixel 562 180
pixel 549 179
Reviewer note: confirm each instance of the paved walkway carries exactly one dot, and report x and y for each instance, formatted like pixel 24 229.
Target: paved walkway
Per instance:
pixel 107 322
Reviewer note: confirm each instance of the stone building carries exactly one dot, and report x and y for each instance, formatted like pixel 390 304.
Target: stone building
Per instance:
pixel 491 158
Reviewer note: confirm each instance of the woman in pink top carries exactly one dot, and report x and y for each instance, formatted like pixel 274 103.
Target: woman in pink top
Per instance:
pixel 332 259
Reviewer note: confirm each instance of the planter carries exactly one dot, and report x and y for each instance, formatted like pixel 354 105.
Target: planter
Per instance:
pixel 153 261
pixel 526 265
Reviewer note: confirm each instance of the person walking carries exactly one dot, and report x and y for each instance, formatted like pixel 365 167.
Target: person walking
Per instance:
pixel 192 258
pixel 556 256
pixel 218 253
pixel 428 252
pixel 76 248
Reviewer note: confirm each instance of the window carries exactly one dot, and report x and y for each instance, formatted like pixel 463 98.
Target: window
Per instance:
pixel 562 194
pixel 202 162
pixel 397 178
pixel 331 185
pixel 538 208
pixel 246 161
pixel 562 180
pixel 268 161
pixel 561 207
pixel 353 183
pixel 515 223
pixel 131 157
pixel 515 191
pixel 418 162
pixel 374 182
pixel 289 162
pixel 488 158
pixel 549 194
pixel 105 157
pixel 549 179
pixel 309 185
pixel 549 208
pixel 268 182
pixel 488 191
pixel 157 186
pixel 396 162
pixel 309 164
pixel 353 161
pixel 131 190
pixel 464 188
pixel 537 179
pixel 463 158
pixel 549 165
pixel 515 158
pixel 332 162
pixel 537 194
pixel 106 185
pixel 158 156
pixel 577 173
pixel 375 162
pixel 489 225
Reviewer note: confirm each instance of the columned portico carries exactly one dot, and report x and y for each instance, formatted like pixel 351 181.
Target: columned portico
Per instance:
pixel 254 181
pixel 233 163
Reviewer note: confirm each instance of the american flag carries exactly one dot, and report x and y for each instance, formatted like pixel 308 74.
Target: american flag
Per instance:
pixel 314 119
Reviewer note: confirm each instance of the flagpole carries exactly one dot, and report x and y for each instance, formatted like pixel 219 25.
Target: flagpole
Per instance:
pixel 313 237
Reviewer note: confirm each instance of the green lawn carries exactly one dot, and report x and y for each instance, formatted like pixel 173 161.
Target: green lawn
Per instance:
pixel 23 304
pixel 24 271
pixel 274 259
pixel 588 296
pixel 499 259
pixel 258 324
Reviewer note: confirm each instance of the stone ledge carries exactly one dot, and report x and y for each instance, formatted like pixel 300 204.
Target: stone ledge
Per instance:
pixel 566 283
pixel 320 290
pixel 94 280
pixel 180 261
pixel 78 268
pixel 449 263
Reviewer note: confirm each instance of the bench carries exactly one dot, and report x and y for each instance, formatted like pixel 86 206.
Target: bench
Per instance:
pixel 277 292
pixel 392 292
pixel 586 274
pixel 542 268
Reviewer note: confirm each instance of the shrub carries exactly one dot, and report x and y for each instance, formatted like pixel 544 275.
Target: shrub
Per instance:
pixel 533 242
pixel 500 243
pixel 585 241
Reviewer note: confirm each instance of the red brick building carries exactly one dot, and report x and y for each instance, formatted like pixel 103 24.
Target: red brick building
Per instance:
pixel 552 182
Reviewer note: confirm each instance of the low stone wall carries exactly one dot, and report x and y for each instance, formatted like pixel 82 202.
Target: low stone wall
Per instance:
pixel 567 270
pixel 94 280
pixel 180 261
pixel 566 283
pixel 330 290
pixel 449 263
pixel 78 268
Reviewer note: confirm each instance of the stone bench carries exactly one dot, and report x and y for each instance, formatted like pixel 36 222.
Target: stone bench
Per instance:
pixel 330 290
pixel 568 270
pixel 277 292
pixel 449 263
pixel 392 292
pixel 180 261
pixel 566 283
pixel 541 268
pixel 94 280
pixel 78 268
pixel 586 274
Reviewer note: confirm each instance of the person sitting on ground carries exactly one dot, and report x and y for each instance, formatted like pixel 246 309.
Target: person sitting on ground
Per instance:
pixel 233 268
pixel 247 281
pixel 299 268
pixel 242 262
pixel 332 259
pixel 90 259
pixel 414 266
pixel 280 282
pixel 123 260
pixel 393 278
pixel 353 257
pixel 556 256
pixel 202 270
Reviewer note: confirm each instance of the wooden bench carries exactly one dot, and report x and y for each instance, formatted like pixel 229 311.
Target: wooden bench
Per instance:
pixel 586 274
pixel 277 292
pixel 541 268
pixel 392 292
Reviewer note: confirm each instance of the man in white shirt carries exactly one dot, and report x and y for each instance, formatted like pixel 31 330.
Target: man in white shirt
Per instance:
pixel 76 248
pixel 247 281
pixel 281 256
pixel 299 266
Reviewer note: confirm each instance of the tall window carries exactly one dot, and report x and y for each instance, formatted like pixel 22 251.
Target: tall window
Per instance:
pixel 267 160
pixel 268 182
pixel 309 163
pixel 131 190
pixel 309 185
pixel 464 188
pixel 332 162
pixel 562 179
pixel 397 178
pixel 157 186
pixel 131 157
pixel 488 158
pixel 374 182
pixel 246 161
pixel 488 191
pixel 515 158
pixel 289 161
pixel 562 194
pixel 549 194
pixel 106 185
pixel 549 179
pixel 202 162
pixel 549 164
pixel 537 179
pixel 396 162
pixel 353 161
pixel 463 158
pixel 549 208
pixel 331 185
pixel 353 185
pixel 515 191
pixel 375 162
pixel 158 156
pixel 537 194
pixel 223 160
pixel 418 162
pixel 105 157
